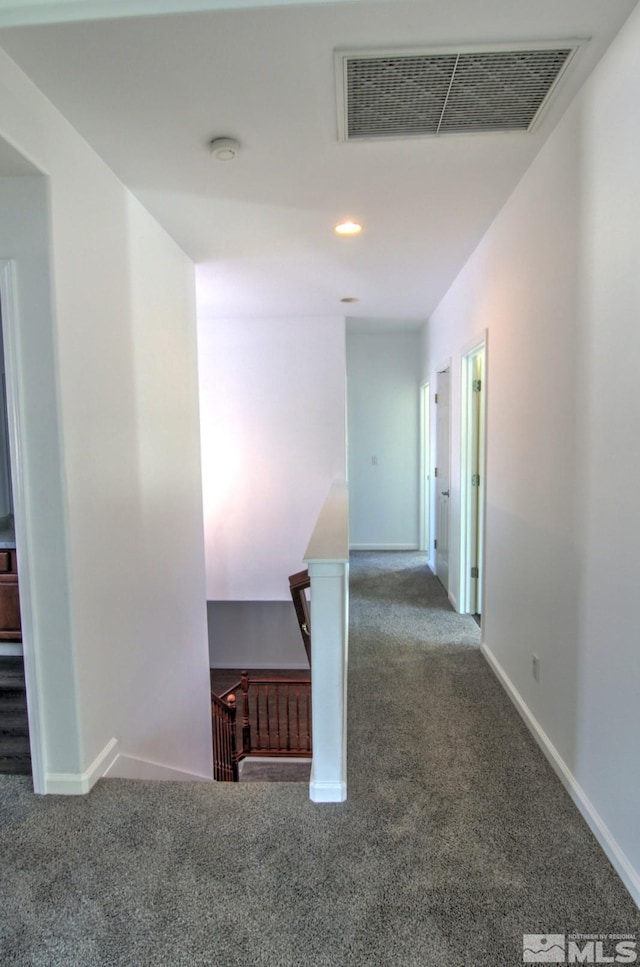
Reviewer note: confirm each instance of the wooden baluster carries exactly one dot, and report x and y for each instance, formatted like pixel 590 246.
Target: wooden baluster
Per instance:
pixel 298 744
pixel 224 752
pixel 227 748
pixel 268 714
pixel 220 746
pixel 223 733
pixel 308 693
pixel 231 702
pixel 278 717
pixel 287 699
pixel 216 744
pixel 258 742
pixel 246 724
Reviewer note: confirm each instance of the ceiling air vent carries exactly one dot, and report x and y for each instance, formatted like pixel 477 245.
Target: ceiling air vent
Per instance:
pixel 399 94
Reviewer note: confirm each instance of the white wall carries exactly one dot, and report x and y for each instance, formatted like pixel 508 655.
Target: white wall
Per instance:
pixel 272 396
pixel 108 364
pixel 24 237
pixel 255 634
pixel 555 282
pixel 383 383
pixel 6 497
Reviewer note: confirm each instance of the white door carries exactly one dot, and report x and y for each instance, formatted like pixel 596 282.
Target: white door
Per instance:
pixel 441 482
pixel 476 470
pixel 425 467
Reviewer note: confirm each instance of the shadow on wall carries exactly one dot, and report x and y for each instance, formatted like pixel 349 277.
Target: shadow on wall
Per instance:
pixel 254 634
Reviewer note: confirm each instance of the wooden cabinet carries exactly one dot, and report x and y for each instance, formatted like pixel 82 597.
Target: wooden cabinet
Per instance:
pixel 10 625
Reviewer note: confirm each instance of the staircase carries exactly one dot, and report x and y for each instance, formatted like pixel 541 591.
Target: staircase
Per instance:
pixel 15 755
pixel 268 715
pixel 260 716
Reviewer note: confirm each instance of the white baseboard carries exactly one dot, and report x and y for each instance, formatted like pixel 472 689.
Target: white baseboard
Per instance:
pixel 383 547
pixel 453 602
pixel 320 791
pixel 266 665
pixel 619 860
pixel 80 783
pixel 131 767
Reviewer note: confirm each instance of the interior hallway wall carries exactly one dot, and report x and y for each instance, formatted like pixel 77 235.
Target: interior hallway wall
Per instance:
pixel 112 471
pixel 24 235
pixel 383 384
pixel 273 439
pixel 555 282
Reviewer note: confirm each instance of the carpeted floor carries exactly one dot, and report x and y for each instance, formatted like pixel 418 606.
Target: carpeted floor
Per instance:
pixel 456 839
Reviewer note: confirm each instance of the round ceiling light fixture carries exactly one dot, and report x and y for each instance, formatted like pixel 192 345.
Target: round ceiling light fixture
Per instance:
pixel 224 149
pixel 348 227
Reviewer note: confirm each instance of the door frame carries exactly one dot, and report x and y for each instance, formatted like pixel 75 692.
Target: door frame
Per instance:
pixel 10 335
pixel 446 366
pixel 472 423
pixel 425 467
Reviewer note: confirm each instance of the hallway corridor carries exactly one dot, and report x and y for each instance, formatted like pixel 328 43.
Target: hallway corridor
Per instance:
pixel 456 839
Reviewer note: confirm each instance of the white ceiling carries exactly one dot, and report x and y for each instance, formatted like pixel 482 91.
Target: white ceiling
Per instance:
pixel 149 93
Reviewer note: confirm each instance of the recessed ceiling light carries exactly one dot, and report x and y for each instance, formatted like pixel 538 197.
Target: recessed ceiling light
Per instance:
pixel 224 149
pixel 349 298
pixel 348 227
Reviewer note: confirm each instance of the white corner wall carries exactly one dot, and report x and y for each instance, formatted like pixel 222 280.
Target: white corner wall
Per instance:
pixel 24 237
pixel 556 284
pixel 108 359
pixel 272 396
pixel 383 393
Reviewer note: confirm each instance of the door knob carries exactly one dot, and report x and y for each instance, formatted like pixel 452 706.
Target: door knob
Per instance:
pixel 445 493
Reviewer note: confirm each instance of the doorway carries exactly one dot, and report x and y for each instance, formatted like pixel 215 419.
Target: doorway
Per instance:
pixel 442 474
pixel 472 477
pixel 16 636
pixel 425 467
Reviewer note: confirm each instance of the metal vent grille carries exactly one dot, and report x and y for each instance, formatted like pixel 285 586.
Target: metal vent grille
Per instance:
pixel 423 93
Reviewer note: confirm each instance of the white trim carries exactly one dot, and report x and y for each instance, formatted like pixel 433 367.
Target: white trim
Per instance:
pixel 10 329
pixel 11 649
pixel 268 666
pixel 278 760
pixel 468 354
pixel 329 541
pixel 618 858
pixel 446 366
pixel 384 547
pixel 327 560
pixel 80 783
pixel 452 601
pixel 327 791
pixel 424 453
pixel 132 767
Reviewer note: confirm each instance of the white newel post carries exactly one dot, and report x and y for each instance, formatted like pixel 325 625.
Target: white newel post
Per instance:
pixel 327 559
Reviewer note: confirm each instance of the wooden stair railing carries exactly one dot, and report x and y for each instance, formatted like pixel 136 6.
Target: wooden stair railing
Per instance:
pixel 225 754
pixel 276 716
pixel 275 720
pixel 298 584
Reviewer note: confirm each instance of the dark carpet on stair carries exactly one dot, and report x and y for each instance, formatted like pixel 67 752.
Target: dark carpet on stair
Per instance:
pixel 457 838
pixel 15 755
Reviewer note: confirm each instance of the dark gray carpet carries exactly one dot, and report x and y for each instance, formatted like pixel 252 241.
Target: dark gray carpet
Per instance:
pixel 268 769
pixel 15 756
pixel 457 838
